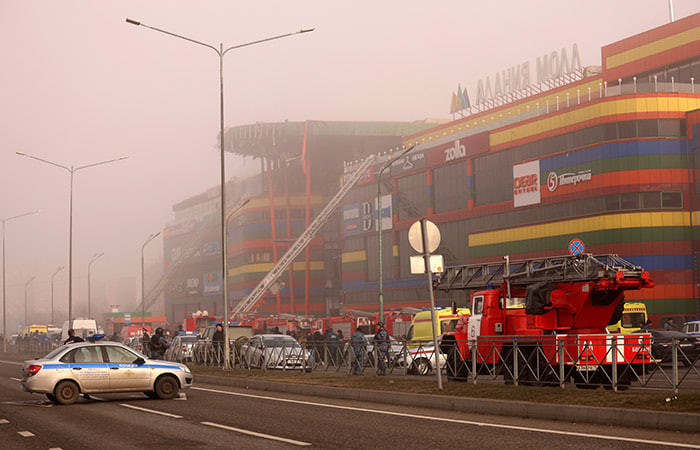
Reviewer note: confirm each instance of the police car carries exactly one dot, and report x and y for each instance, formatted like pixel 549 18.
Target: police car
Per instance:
pixel 102 367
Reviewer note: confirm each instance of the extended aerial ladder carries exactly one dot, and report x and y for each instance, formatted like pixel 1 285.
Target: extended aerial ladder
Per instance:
pixel 569 268
pixel 251 301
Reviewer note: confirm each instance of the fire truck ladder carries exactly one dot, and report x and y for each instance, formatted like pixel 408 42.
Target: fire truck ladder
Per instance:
pixel 254 297
pixel 585 267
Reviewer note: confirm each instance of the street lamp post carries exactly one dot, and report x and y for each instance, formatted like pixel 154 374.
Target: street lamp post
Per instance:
pixel 71 170
pixel 221 53
pixel 94 258
pixel 26 285
pixel 143 298
pixel 4 310
pixel 379 228
pixel 52 277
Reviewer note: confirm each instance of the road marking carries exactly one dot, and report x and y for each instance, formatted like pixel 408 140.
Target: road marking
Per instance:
pixel 94 397
pixel 253 433
pixel 3 421
pixel 25 433
pixel 153 411
pixel 464 422
pixel 11 362
pixel 15 379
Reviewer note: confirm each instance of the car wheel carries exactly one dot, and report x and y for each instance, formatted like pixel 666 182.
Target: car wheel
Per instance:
pixel 166 387
pixel 421 367
pixel 66 392
pixel 51 397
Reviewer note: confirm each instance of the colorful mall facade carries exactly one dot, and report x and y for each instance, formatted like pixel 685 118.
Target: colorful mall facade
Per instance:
pixel 610 159
pixel 607 157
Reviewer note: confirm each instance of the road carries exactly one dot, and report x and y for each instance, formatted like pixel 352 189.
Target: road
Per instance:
pixel 216 417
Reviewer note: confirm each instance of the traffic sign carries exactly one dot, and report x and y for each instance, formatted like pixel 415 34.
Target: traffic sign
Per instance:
pixel 415 236
pixel 576 247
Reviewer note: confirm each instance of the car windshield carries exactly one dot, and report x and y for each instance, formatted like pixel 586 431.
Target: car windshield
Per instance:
pixel 280 341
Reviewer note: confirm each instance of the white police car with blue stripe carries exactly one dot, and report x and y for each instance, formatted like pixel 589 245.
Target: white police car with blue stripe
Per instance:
pixel 102 367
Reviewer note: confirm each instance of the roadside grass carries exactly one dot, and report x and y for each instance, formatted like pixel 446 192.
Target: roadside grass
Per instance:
pixel 687 402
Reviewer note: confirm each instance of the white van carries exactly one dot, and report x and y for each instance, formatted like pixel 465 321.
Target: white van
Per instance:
pixel 82 327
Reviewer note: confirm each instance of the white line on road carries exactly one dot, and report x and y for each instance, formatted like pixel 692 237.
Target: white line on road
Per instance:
pixel 465 422
pixel 15 379
pixel 253 433
pixel 25 433
pixel 3 421
pixel 11 362
pixel 153 411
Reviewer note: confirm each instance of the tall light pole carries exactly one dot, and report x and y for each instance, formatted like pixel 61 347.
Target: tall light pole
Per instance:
pixel 143 298
pixel 4 310
pixel 221 53
pixel 379 228
pixel 26 285
pixel 94 258
pixel 71 170
pixel 52 277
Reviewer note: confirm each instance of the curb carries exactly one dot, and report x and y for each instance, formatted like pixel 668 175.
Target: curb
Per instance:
pixel 657 420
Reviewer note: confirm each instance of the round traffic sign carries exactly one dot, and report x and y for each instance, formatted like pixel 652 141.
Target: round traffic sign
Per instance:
pixel 576 247
pixel 432 236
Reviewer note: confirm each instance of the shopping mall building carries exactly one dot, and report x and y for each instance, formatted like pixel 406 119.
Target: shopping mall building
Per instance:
pixel 292 171
pixel 547 151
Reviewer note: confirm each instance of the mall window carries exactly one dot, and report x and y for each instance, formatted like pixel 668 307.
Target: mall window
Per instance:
pixel 671 128
pixel 629 200
pixel 454 242
pixel 412 196
pixel 671 200
pixel 648 128
pixel 650 200
pixel 449 186
pixel 627 129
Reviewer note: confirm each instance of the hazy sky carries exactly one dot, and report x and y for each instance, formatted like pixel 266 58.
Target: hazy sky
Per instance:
pixel 79 85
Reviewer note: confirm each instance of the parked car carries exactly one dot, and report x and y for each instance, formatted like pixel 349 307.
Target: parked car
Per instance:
pixel 181 348
pixel 275 351
pixel 692 328
pixel 661 346
pixel 102 367
pixel 421 360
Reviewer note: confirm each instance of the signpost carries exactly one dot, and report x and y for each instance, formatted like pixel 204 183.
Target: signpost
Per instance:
pixel 424 237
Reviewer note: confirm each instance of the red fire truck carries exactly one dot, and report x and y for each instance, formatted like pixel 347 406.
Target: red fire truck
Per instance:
pixel 544 320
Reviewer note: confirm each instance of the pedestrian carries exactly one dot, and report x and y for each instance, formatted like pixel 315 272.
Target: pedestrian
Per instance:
pixel 158 344
pixel 332 345
pixel 381 343
pixel 357 342
pixel 340 334
pixel 668 326
pixel 115 337
pixel 146 342
pixel 72 337
pixel 647 325
pixel 218 342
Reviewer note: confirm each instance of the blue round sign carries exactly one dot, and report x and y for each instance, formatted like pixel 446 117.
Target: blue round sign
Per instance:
pixel 576 247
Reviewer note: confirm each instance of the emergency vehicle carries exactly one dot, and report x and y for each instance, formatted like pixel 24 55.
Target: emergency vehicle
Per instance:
pixel 534 317
pixel 634 316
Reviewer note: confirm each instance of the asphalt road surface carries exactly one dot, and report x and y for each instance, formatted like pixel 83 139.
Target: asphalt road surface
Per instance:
pixel 218 417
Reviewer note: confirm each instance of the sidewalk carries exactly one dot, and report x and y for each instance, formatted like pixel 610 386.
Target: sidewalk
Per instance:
pixel 661 420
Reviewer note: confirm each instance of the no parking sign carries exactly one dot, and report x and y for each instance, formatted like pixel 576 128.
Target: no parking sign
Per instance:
pixel 576 247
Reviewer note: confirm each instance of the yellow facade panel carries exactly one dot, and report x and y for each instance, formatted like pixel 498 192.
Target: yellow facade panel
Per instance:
pixel 653 48
pixel 349 257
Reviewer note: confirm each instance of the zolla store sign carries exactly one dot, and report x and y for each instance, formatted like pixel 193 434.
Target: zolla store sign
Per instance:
pixel 550 66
